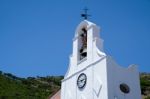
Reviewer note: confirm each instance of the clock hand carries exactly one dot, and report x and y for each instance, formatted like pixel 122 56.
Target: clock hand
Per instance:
pixel 82 80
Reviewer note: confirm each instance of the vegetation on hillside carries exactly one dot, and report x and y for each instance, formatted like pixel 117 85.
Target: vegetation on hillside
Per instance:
pixel 12 87
pixel 145 85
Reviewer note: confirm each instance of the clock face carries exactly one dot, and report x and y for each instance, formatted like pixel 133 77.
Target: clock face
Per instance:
pixel 81 81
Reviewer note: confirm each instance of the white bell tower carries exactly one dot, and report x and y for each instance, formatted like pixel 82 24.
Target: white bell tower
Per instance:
pixel 94 75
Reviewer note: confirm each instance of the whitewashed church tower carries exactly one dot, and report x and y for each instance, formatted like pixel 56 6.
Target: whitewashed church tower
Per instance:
pixel 94 75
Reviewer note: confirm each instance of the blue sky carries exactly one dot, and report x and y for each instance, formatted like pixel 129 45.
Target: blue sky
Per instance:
pixel 36 35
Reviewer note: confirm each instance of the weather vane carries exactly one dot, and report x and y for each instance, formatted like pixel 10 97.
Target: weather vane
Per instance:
pixel 85 15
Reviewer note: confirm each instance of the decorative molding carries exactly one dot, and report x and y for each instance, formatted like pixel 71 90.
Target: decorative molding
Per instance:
pixel 97 85
pixel 84 68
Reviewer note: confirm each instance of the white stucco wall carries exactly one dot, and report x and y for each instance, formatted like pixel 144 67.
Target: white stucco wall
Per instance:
pixel 118 75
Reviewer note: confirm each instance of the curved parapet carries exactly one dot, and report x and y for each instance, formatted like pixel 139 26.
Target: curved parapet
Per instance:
pixel 84 24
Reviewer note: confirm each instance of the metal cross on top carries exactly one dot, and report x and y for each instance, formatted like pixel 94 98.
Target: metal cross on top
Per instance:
pixel 85 15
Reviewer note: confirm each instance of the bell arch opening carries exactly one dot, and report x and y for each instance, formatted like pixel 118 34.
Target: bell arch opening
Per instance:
pixel 82 44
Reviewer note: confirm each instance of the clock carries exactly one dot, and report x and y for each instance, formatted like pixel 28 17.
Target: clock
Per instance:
pixel 81 81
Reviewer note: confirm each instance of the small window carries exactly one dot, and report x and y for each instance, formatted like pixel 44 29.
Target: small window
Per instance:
pixel 124 88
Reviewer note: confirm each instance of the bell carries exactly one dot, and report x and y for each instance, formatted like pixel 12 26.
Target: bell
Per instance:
pixel 84 52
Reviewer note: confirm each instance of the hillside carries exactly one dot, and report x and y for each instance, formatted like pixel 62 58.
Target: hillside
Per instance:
pixel 12 87
pixel 145 85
